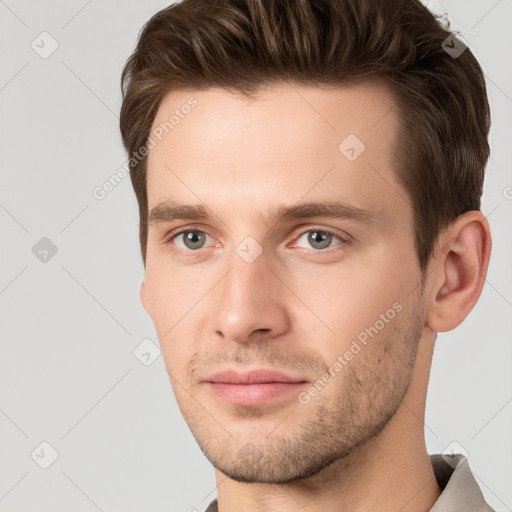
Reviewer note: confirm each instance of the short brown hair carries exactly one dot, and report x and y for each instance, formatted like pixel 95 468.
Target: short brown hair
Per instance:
pixel 244 45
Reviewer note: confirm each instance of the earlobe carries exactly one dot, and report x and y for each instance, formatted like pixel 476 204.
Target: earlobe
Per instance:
pixel 459 276
pixel 143 297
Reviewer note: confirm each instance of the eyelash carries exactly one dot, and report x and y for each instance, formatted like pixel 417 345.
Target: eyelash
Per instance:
pixel 190 252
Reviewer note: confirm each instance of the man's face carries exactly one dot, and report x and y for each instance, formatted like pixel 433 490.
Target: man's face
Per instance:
pixel 239 291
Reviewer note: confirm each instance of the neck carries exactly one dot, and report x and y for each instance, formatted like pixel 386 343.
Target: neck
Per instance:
pixel 390 472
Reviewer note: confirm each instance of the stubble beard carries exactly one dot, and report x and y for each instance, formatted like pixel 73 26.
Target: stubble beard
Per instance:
pixel 329 429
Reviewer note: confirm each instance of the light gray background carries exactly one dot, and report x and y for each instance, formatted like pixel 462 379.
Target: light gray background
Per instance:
pixel 70 325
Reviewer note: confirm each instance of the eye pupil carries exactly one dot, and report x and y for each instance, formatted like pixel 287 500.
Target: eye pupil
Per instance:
pixel 320 237
pixel 194 239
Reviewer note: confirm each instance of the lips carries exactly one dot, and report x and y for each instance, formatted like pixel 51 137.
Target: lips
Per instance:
pixel 255 388
pixel 254 377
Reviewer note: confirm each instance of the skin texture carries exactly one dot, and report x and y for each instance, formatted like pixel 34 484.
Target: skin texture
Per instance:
pixel 358 444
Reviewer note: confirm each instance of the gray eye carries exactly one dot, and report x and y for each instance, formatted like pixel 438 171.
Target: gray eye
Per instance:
pixel 319 239
pixel 192 239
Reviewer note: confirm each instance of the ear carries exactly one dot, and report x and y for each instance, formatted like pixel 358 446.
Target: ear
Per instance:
pixel 144 297
pixel 458 270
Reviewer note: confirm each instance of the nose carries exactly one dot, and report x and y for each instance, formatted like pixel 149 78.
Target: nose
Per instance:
pixel 251 302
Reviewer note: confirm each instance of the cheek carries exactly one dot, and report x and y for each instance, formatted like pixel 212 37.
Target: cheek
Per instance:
pixel 172 291
pixel 179 349
pixel 359 303
pixel 174 311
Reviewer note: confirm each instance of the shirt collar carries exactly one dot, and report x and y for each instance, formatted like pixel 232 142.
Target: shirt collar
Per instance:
pixel 460 491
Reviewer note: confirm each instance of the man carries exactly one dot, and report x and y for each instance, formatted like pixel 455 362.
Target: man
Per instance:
pixel 309 175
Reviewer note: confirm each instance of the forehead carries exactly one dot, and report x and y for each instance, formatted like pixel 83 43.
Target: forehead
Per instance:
pixel 290 142
pixel 218 116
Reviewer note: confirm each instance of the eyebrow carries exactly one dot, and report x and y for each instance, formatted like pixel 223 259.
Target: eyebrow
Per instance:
pixel 167 211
